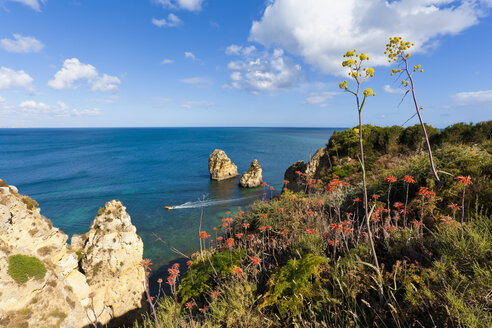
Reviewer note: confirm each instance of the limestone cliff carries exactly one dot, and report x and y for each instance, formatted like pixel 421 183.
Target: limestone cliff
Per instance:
pixel 220 166
pixel 252 178
pixel 40 281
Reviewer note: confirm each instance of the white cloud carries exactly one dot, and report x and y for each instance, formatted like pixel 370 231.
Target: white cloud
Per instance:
pixel 167 61
pixel 31 107
pixel 322 31
pixel 196 80
pixel 10 78
pixel 234 49
pixel 34 4
pixel 473 97
pixel 320 99
pixel 192 5
pixel 197 104
pixel 388 89
pixel 106 83
pixel 189 55
pixel 21 44
pixel 264 71
pixel 172 21
pixel 73 70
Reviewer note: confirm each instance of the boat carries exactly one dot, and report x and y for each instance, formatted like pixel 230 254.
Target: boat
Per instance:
pixel 169 207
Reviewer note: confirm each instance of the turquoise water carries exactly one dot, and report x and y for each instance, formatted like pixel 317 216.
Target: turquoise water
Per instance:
pixel 73 172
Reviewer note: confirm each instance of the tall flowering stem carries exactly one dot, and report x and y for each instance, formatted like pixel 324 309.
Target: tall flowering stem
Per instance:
pixel 359 74
pixel 396 50
pixel 465 181
pixel 391 179
pixel 408 180
pixel 145 264
pixel 171 280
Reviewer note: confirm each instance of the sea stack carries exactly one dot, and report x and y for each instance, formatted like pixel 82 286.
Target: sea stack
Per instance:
pixel 252 178
pixel 220 166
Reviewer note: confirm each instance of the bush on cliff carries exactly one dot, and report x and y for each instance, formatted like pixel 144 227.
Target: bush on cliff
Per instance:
pixel 22 268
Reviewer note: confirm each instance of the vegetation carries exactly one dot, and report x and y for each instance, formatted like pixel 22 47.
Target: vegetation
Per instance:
pixel 30 203
pixel 23 267
pixel 396 232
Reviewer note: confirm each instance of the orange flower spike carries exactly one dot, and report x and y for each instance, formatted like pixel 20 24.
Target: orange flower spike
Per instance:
pixel 203 234
pixel 310 231
pixel 408 179
pixel 464 180
pixel 238 272
pixel 390 179
pixel 230 242
pixel 246 225
pixel 264 216
pixel 255 260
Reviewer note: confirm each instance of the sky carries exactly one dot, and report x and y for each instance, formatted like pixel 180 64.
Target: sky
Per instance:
pixel 175 63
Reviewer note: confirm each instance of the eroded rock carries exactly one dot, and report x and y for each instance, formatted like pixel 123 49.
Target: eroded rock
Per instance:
pixel 252 178
pixel 220 166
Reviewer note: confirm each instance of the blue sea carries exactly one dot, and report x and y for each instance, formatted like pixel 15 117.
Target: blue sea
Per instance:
pixel 73 172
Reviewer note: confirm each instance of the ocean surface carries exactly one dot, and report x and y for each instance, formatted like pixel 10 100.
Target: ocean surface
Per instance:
pixel 73 172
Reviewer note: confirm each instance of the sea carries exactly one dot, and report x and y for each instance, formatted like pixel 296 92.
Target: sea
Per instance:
pixel 72 172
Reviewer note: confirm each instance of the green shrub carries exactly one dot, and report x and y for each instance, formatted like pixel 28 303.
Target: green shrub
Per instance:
pixel 204 279
pixel 23 267
pixel 30 203
pixel 293 284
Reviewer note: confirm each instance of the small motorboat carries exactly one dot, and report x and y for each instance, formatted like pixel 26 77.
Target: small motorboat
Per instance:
pixel 169 207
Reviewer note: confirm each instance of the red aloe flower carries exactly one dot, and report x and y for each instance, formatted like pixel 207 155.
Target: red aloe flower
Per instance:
pixel 464 180
pixel 390 179
pixel 408 179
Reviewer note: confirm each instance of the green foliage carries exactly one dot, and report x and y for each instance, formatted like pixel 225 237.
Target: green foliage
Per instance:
pixel 204 279
pixel 236 306
pixel 23 267
pixel 295 282
pixel 30 203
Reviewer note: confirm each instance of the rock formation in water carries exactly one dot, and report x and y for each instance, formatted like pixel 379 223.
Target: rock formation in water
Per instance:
pixel 220 166
pixel 46 282
pixel 311 170
pixel 252 178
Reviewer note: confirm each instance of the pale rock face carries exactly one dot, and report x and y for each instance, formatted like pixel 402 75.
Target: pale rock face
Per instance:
pixel 220 166
pixel 252 178
pixel 110 253
pixel 318 160
pixel 50 301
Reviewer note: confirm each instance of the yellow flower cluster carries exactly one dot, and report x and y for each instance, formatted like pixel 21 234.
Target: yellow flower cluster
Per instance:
pixel 417 68
pixel 368 92
pixel 394 70
pixel 354 63
pixel 405 83
pixel 396 48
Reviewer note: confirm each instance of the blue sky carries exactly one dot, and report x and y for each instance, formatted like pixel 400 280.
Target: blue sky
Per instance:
pixel 236 63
